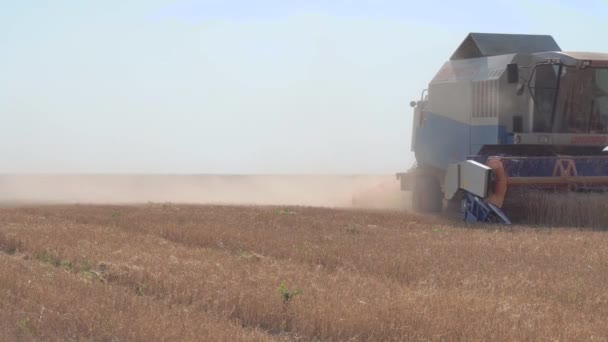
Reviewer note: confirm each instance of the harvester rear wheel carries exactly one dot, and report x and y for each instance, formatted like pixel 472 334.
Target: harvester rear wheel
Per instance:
pixel 426 195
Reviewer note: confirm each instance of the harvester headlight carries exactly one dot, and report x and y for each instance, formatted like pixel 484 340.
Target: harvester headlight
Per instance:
pixel 517 139
pixel 543 139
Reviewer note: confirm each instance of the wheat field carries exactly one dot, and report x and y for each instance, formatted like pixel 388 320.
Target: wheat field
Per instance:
pixel 292 273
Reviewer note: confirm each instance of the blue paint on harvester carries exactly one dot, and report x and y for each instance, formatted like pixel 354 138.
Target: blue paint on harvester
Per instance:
pixel 441 141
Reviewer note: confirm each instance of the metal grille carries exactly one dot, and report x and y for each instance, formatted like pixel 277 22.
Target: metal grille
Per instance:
pixel 485 99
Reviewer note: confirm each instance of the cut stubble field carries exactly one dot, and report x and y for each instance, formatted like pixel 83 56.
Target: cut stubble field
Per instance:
pixel 260 273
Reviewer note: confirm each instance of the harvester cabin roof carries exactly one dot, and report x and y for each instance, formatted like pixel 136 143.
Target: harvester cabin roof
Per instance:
pixel 478 45
pixel 571 58
pixel 583 55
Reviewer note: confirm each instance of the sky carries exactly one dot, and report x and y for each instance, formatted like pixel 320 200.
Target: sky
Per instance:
pixel 239 86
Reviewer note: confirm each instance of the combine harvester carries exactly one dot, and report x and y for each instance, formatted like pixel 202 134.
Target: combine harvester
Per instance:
pixel 506 114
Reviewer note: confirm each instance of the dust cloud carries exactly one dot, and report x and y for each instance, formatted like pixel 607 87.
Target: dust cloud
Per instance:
pixel 361 191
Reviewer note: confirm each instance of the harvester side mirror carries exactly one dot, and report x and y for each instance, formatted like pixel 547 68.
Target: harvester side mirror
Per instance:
pixel 512 73
pixel 413 104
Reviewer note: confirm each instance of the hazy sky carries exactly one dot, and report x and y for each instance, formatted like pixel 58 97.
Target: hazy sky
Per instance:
pixel 236 86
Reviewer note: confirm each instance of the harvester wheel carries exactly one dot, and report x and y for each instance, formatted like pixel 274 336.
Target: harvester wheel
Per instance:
pixel 427 196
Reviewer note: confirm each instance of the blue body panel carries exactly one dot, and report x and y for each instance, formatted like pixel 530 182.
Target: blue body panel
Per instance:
pixel 441 141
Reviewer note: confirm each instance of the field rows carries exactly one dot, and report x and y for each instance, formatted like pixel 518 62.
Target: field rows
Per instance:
pixel 159 272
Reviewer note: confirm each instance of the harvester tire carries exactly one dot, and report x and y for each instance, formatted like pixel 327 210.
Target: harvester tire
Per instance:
pixel 427 196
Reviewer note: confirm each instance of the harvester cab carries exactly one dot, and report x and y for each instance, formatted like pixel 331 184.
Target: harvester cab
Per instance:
pixel 508 113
